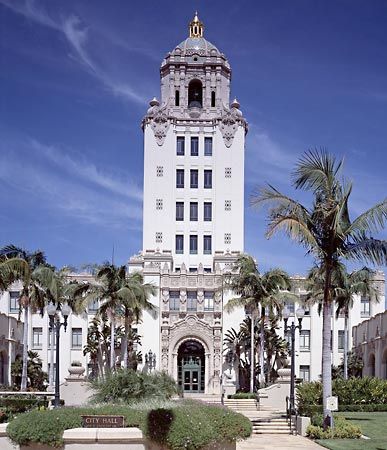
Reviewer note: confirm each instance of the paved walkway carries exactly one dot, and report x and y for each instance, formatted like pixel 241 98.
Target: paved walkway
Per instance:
pixel 279 442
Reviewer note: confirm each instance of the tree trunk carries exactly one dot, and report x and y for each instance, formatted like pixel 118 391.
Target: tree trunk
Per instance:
pixel 262 375
pixel 326 346
pixel 125 341
pixel 23 386
pixel 346 345
pixel 112 339
pixel 252 354
pixel 51 374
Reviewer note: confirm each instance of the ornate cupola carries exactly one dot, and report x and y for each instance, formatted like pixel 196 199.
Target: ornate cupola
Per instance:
pixel 196 27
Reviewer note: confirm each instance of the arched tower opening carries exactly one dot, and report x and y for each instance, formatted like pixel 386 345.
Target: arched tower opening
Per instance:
pixel 195 94
pixel 191 366
pixel 371 365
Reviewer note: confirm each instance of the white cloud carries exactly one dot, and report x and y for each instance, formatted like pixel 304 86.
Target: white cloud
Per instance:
pixel 86 171
pixel 77 35
pixel 75 189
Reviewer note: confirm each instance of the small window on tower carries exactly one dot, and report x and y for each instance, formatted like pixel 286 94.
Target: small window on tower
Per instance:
pixel 177 98
pixel 227 205
pixel 227 172
pixel 213 99
pixel 227 238
pixel 159 203
pixel 208 146
pixel 159 171
pixel 159 236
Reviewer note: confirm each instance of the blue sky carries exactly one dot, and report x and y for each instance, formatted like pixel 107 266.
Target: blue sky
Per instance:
pixel 76 77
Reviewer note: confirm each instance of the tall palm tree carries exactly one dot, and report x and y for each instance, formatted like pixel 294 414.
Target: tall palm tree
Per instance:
pixel 120 295
pixel 134 296
pixel 259 294
pixel 30 269
pixel 344 286
pixel 325 229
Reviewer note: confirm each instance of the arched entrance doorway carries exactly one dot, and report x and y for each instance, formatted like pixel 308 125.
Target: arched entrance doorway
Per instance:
pixel 3 368
pixel 191 366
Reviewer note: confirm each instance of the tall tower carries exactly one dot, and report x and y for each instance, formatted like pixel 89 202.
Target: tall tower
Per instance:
pixel 194 142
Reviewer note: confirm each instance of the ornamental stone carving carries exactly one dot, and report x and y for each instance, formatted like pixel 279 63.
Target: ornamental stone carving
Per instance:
pixel 229 122
pixel 160 125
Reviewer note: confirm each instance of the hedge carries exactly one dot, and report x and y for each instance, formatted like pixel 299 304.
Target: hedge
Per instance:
pixel 354 391
pixel 344 429
pixel 11 405
pixel 311 410
pixel 243 395
pixel 183 424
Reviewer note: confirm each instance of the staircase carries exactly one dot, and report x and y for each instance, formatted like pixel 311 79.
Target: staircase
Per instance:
pixel 265 419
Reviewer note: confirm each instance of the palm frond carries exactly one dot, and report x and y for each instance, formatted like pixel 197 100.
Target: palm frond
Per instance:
pixel 367 249
pixel 372 220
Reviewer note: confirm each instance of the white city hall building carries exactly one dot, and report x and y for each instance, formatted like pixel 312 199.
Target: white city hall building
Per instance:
pixel 193 232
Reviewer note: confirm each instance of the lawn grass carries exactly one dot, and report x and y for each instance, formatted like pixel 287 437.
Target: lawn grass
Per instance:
pixel 372 424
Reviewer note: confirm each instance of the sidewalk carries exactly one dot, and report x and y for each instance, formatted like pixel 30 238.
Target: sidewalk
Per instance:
pixel 283 442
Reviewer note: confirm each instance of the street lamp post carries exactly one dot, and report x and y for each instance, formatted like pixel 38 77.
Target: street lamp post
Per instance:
pixel 55 324
pixel 150 360
pixel 292 329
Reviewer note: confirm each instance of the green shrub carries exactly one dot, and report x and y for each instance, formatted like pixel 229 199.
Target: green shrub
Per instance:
pixel 183 424
pixel 128 386
pixel 354 391
pixel 243 395
pixel 343 429
pixel 11 405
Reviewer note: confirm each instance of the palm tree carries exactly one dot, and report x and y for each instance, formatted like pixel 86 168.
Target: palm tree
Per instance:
pixel 359 282
pixel 30 269
pixel 120 295
pixel 325 230
pixel 257 294
pixel 134 296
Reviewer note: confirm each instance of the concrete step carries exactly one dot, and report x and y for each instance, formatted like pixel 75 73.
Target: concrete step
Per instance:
pixel 271 431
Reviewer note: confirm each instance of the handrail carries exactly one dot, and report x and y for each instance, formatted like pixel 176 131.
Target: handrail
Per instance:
pixel 289 412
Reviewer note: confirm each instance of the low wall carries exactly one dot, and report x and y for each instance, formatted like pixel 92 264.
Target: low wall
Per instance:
pixel 100 439
pixel 275 395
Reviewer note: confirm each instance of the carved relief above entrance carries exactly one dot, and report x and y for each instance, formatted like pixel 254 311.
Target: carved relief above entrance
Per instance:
pixel 192 329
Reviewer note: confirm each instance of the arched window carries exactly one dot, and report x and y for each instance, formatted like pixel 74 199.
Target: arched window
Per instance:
pixel 177 98
pixel 213 99
pixel 195 94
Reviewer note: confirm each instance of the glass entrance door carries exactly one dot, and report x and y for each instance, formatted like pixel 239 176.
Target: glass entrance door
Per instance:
pixel 192 374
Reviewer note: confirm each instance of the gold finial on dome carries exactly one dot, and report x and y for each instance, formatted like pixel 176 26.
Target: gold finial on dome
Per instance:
pixel 196 27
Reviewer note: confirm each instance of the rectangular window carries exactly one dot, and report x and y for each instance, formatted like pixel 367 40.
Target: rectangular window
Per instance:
pixel 208 301
pixel 179 211
pixel 207 245
pixel 340 340
pixel 37 338
pixel 159 203
pixel 193 244
pixel 192 300
pixel 365 307
pixel 193 211
pixel 208 146
pixel 193 270
pixel 207 211
pixel 174 300
pixel 194 146
pixel 207 270
pixel 180 145
pixel 179 244
pixel 194 178
pixel 14 301
pixel 305 340
pixel 227 172
pixel 93 307
pixel 227 238
pixel 76 337
pixel 159 171
pixel 179 178
pixel 305 373
pixel 227 205
pixel 207 179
